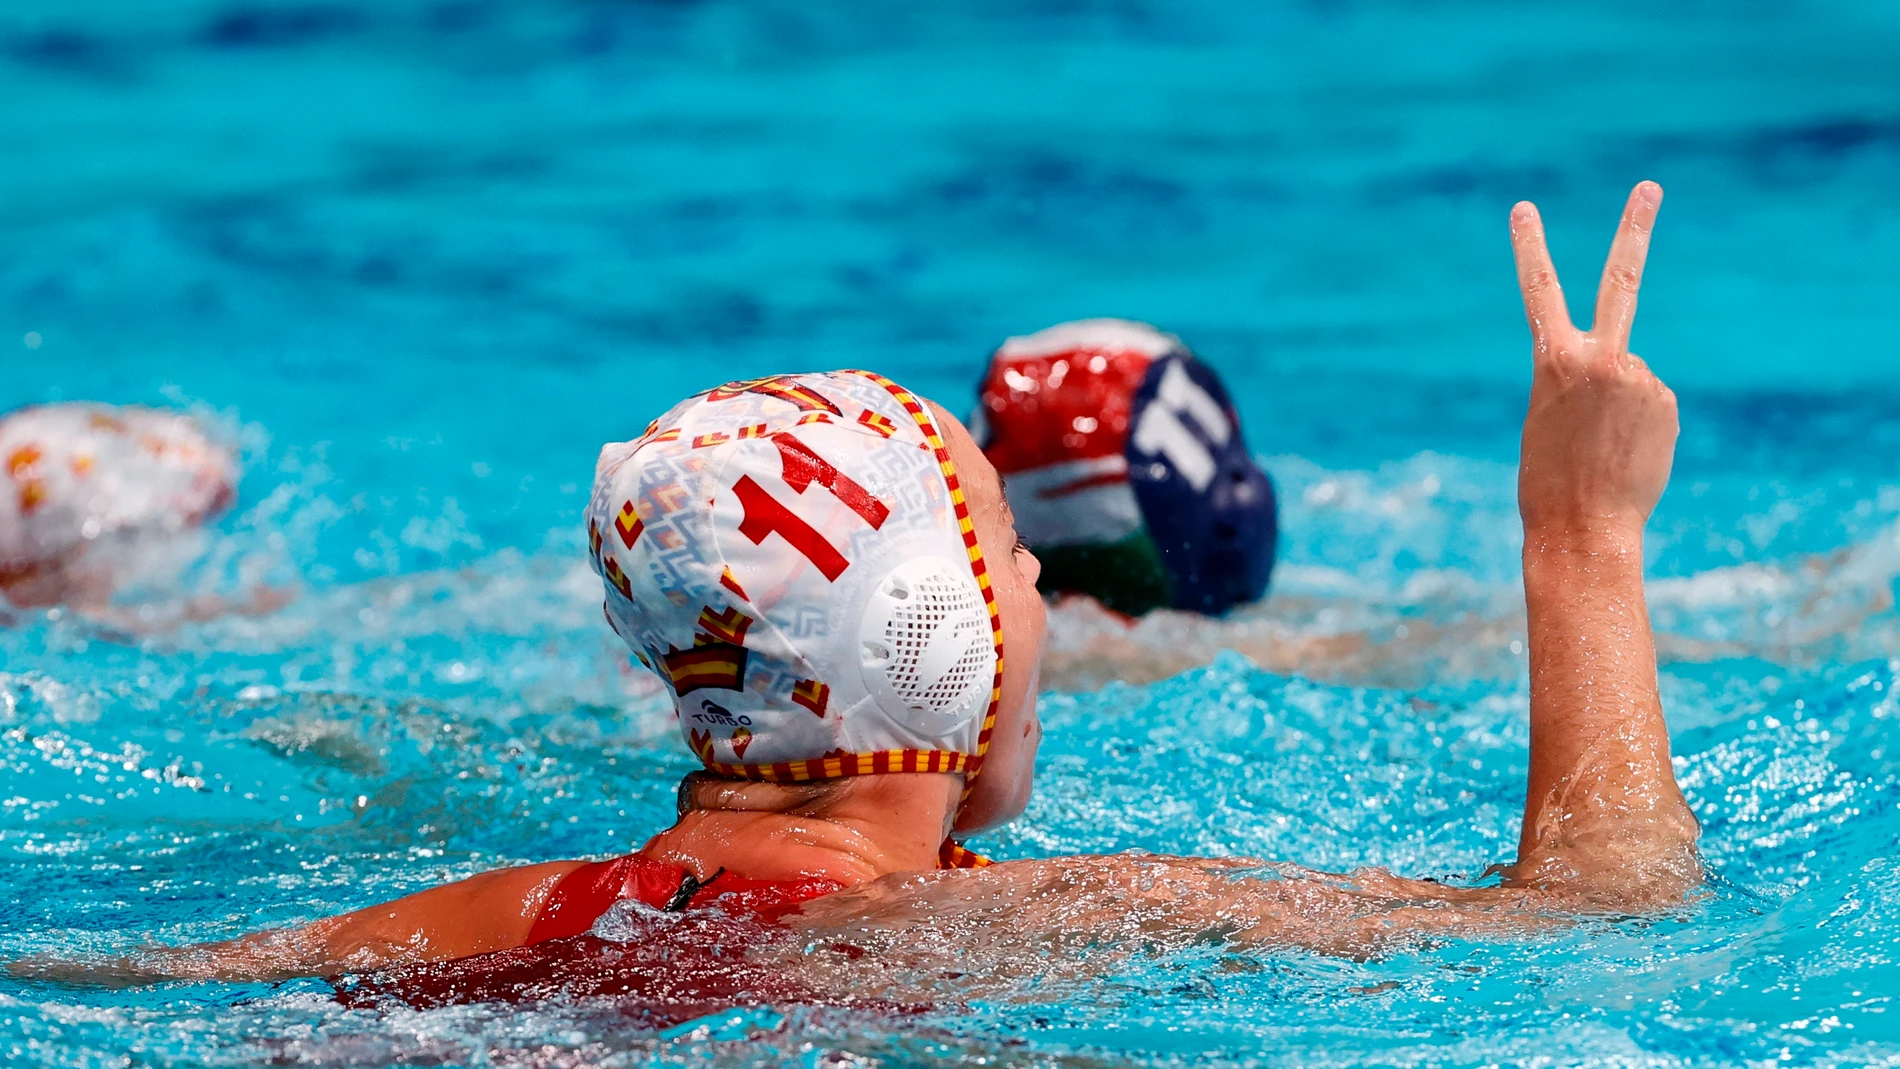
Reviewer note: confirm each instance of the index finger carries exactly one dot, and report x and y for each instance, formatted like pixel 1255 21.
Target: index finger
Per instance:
pixel 1536 276
pixel 1623 272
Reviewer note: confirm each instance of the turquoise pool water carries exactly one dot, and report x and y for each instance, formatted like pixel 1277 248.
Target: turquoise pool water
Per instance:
pixel 423 258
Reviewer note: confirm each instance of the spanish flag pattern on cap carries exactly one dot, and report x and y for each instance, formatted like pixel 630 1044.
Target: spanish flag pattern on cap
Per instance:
pixel 794 558
pixel 80 478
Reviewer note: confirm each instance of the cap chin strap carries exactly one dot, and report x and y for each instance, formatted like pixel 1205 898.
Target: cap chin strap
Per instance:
pixel 953 855
pixel 979 569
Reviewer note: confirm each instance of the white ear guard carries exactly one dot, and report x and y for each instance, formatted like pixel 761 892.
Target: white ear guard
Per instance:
pixel 925 646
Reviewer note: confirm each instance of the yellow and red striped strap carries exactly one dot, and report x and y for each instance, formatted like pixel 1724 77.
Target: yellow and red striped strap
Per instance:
pixel 954 855
pixel 967 528
pixel 838 766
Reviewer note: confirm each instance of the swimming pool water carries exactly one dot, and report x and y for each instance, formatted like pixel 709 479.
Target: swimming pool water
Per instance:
pixel 422 258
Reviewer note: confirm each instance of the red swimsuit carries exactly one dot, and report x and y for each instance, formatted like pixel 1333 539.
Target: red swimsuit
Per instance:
pixel 589 891
pixel 689 954
pixel 673 962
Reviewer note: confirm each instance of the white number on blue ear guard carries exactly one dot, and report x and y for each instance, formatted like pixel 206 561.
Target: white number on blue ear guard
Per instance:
pixel 1160 429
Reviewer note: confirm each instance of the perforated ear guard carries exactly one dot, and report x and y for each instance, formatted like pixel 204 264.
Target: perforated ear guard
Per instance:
pixel 926 650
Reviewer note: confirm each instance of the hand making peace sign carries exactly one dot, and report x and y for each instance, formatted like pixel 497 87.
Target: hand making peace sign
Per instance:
pixel 1600 435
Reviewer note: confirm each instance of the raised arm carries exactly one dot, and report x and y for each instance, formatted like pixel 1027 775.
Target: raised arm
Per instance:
pixel 1603 817
pixel 1605 826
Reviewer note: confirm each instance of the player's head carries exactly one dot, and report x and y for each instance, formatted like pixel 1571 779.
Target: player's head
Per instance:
pixel 88 492
pixel 1127 468
pixel 822 570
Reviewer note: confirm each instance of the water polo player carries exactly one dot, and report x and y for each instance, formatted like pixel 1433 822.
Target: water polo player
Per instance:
pixel 823 571
pixel 90 490
pixel 1127 468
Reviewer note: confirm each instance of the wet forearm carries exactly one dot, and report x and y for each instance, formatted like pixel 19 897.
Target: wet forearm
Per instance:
pixel 1600 782
pixel 1592 660
pixel 325 948
pixel 280 954
pixel 492 911
pixel 1089 913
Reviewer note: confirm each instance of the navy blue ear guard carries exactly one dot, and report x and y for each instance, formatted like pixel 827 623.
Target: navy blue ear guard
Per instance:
pixel 1207 506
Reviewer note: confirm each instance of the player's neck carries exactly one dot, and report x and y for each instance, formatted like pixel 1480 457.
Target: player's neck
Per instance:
pixel 851 831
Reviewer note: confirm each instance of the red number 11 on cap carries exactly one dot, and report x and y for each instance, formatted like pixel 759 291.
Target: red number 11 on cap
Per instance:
pixel 800 467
